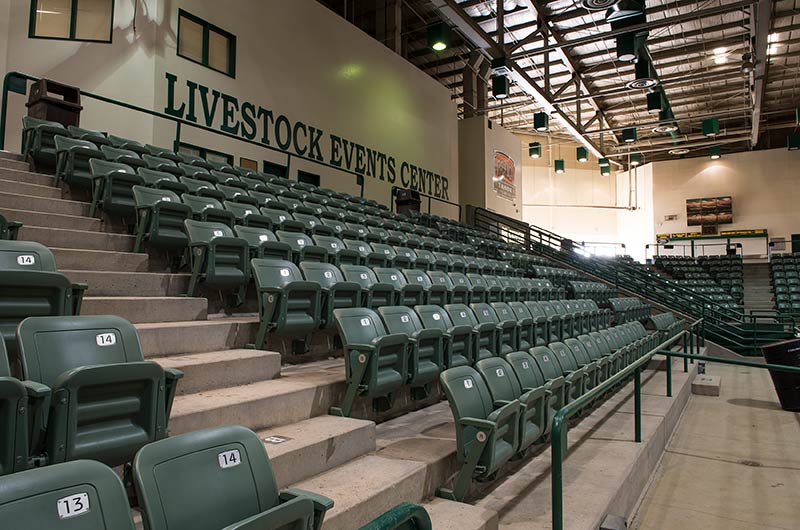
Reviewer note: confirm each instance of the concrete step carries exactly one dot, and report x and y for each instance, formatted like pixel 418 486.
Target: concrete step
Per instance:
pixel 40 204
pixel 113 283
pixel 26 188
pixel 450 515
pixel 365 488
pixel 221 369
pixel 51 220
pixel 11 162
pixel 288 399
pixel 25 175
pixel 310 447
pixel 99 260
pixel 56 237
pixel 174 338
pixel 141 309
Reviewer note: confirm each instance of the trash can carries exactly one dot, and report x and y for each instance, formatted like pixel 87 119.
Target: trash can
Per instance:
pixel 53 101
pixel 407 202
pixel 787 385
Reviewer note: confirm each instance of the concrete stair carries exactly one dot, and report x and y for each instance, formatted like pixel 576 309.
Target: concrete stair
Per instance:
pixel 757 286
pixel 20 201
pixel 163 339
pixel 142 309
pixel 51 220
pixel 26 188
pixel 9 160
pixel 63 238
pixel 113 283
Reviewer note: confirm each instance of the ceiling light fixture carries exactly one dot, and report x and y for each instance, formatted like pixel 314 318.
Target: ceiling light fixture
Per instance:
pixel 605 171
pixel 582 154
pixel 559 166
pixel 439 36
pixel 645 77
pixel 654 104
pixel 535 150
pixel 598 5
pixel 636 159
pixel 500 88
pixel 541 121
pixel 629 135
pixel 679 151
pixel 715 151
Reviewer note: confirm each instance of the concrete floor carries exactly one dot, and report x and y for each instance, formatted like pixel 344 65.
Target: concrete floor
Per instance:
pixel 733 463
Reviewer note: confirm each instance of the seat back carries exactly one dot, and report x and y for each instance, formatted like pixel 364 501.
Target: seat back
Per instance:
pixel 204 480
pixel 469 397
pixel 81 495
pixel 26 256
pixel 546 360
pixel 526 370
pixel 500 379
pixel 564 356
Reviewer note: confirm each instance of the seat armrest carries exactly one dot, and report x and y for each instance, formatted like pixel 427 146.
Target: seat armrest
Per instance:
pixel 77 297
pixel 392 339
pixel 36 390
pixel 288 514
pixel 171 377
pixel 486 326
pixel 460 330
pixel 320 501
pixel 426 333
pixel 478 423
pixel 504 413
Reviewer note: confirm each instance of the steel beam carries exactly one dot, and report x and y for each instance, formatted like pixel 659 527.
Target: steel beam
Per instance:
pixel 759 30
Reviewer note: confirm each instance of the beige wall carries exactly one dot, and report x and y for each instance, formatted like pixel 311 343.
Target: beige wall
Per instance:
pixel 350 86
pixel 478 142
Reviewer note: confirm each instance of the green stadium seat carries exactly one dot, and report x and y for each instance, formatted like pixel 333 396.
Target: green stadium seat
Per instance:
pixel 263 243
pixel 585 355
pixel 208 210
pixel 530 378
pixel 456 340
pixel 571 356
pixel 504 388
pixel 336 292
pixel 374 293
pixel 484 334
pixel 165 165
pixel 376 362
pixel 433 294
pixel 31 286
pixel 425 352
pixel 404 516
pixel 163 152
pixel 218 259
pixel 288 305
pixel 16 413
pixel 113 187
pixel 196 172
pixel 463 290
pixel 130 145
pixel 196 161
pixel 303 247
pixel 72 161
pixel 160 218
pixel 486 436
pixel 526 332
pixel 338 253
pixel 172 479
pixel 201 188
pixel 405 293
pixel 38 140
pixel 83 495
pixel 107 401
pixel 122 156
pixel 574 378
pixel 161 180
pixel 9 230
pixel 405 258
pixel 247 215
pixel 96 137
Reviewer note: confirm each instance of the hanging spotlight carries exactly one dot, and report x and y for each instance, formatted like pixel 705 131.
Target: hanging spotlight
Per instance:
pixel 500 88
pixel 604 162
pixel 715 151
pixel 439 36
pixel 666 126
pixel 626 47
pixel 559 166
pixel 541 121
pixel 747 64
pixel 583 155
pixel 629 135
pixel 645 76
pixel 605 171
pixel 654 102
pixel 535 150
pixel 711 127
pixel 636 159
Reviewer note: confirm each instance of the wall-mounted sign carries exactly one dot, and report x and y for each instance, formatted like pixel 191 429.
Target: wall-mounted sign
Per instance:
pixel 743 233
pixel 212 108
pixel 503 178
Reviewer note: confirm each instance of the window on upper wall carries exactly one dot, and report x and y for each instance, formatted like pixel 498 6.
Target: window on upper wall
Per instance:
pixel 206 44
pixel 82 20
pixel 208 154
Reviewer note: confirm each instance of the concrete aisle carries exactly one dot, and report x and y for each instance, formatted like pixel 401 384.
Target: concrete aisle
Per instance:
pixel 733 464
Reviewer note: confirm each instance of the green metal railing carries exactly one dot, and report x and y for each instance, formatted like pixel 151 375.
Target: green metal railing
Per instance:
pixel 16 82
pixel 692 340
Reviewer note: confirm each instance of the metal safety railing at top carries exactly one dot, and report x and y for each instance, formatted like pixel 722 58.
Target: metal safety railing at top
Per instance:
pixel 691 249
pixel 16 82
pixel 743 332
pixel 692 340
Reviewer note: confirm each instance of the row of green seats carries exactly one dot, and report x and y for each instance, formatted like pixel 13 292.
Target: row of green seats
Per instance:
pixel 597 291
pixel 9 230
pixel 30 285
pixel 204 480
pixel 84 391
pixel 382 343
pixel 627 309
pixel 666 325
pixel 506 404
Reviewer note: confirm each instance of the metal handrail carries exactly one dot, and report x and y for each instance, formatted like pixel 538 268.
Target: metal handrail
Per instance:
pixel 691 343
pixel 179 122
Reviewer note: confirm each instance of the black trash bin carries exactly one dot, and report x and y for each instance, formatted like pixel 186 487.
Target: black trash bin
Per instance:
pixel 52 101
pixel 787 385
pixel 407 202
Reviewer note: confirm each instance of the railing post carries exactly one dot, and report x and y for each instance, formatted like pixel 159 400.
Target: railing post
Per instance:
pixel 669 376
pixel 176 145
pixel 556 463
pixel 637 404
